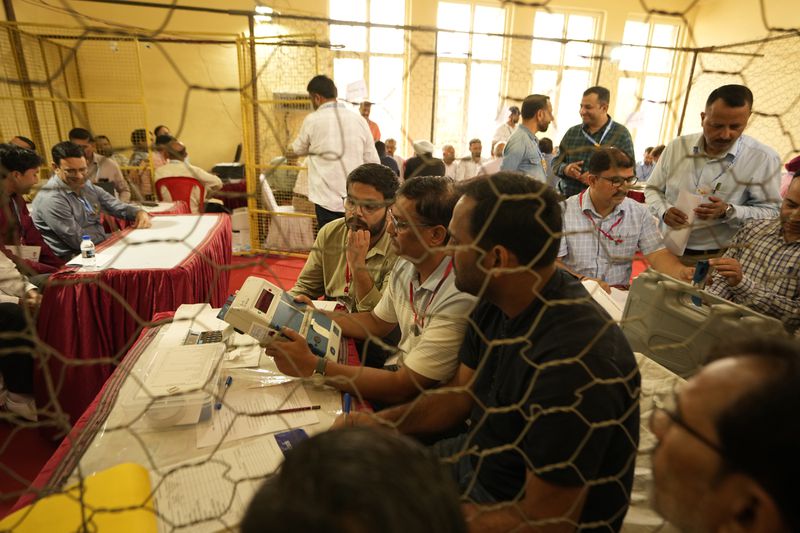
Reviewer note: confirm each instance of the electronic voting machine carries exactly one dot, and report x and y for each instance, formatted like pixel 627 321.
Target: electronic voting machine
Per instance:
pixel 260 309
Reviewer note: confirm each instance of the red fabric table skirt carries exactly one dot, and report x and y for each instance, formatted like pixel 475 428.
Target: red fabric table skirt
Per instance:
pixel 88 321
pixel 233 195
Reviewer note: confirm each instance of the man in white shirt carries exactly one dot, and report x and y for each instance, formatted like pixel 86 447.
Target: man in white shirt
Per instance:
pixel 421 299
pixel 450 163
pixel 471 166
pixel 100 168
pixel 504 130
pixel 336 140
pixel 737 177
pixel 497 160
pixel 175 154
pixel 391 148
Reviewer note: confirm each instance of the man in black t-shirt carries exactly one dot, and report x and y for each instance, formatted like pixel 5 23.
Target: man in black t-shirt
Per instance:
pixel 547 381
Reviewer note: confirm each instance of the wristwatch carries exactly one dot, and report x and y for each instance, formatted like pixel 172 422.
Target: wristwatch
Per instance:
pixel 322 364
pixel 728 211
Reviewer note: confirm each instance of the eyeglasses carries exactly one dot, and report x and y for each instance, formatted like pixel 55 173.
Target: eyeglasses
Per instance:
pixel 666 411
pixel 73 172
pixel 617 181
pixel 368 207
pixel 402 225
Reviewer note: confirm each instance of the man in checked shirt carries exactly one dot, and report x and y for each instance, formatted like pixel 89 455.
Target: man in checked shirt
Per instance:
pixel 761 268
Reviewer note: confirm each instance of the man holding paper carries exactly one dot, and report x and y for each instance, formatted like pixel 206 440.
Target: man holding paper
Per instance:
pixel 603 228
pixel 711 182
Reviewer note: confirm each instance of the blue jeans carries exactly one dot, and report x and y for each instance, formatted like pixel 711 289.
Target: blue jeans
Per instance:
pixel 462 470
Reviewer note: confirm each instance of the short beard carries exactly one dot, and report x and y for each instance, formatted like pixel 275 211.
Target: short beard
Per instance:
pixel 355 224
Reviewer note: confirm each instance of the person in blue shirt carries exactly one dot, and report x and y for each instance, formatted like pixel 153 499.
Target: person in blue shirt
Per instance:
pixel 522 150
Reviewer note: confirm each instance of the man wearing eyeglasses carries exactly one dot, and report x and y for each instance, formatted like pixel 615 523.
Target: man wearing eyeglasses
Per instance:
pixel 421 300
pixel 726 455
pixel 69 206
pixel 603 228
pixel 352 256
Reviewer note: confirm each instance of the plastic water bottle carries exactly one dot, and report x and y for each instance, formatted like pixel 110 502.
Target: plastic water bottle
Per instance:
pixel 87 253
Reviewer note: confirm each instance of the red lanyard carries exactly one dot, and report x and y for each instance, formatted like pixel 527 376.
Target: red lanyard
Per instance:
pixel 347 278
pixel 419 321
pixel 607 234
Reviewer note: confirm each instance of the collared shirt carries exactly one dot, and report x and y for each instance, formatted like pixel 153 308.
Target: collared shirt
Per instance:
pixel 324 273
pixel 401 163
pixel 209 181
pixel 770 272
pixel 492 167
pixel 336 140
pixel 433 352
pixel 522 154
pixel 747 177
pixel 502 133
pixel 16 228
pixel 576 147
pixel 103 168
pixel 643 170
pixel 63 216
pixel 450 170
pixel 13 285
pixel 469 168
pixel 590 252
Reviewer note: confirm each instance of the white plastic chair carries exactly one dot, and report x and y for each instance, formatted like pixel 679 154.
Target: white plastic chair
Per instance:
pixel 286 233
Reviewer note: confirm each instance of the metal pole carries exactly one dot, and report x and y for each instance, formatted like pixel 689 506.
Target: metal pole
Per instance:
pixel 251 23
pixel 600 63
pixel 435 79
pixel 688 91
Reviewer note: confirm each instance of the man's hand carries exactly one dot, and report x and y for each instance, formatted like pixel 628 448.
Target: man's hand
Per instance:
pixel 303 299
pixel 715 208
pixel 360 419
pixel 728 268
pixel 686 274
pixel 574 170
pixel 292 356
pixel 357 248
pixel 143 220
pixel 32 300
pixel 675 218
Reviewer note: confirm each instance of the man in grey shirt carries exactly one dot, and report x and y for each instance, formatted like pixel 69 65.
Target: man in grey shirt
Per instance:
pixel 69 206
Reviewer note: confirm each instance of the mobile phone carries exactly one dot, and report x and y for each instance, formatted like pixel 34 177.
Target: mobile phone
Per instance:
pixel 699 279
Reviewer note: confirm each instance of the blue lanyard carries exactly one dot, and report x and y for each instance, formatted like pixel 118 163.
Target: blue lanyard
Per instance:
pixel 602 137
pixel 86 205
pixel 699 175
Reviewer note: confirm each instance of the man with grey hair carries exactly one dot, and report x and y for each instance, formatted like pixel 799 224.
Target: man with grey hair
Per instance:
pixel 522 152
pixel 450 163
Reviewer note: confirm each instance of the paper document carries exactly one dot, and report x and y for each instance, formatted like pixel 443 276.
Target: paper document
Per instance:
pixel 232 423
pixel 325 305
pixel 28 253
pixel 214 494
pixel 614 303
pixel 676 239
pixel 181 369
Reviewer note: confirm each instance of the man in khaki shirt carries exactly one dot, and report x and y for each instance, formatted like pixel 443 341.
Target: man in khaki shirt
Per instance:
pixel 352 256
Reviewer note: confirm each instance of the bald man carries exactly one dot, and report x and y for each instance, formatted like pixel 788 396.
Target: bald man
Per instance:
pixel 175 153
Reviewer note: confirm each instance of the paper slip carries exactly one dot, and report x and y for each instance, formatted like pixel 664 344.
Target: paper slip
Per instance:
pixel 100 260
pixel 613 303
pixel 181 369
pixel 676 239
pixel 28 253
pixel 214 494
pixel 243 357
pixel 226 423
pixel 325 305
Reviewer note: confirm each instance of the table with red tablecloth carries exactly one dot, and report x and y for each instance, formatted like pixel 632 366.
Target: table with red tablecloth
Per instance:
pixel 88 320
pixel 178 207
pixel 233 194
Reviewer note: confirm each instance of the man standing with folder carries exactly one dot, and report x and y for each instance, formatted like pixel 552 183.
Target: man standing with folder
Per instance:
pixel 732 177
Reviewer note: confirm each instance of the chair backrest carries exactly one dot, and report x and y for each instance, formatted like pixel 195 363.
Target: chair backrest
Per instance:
pixel 180 188
pixel 267 195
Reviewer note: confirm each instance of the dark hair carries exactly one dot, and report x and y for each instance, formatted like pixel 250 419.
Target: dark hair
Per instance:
pixel 323 86
pixel 473 141
pixel 65 150
pixel 19 159
pixel 424 166
pixel 163 140
pixel 546 145
pixel 648 149
pixel 532 104
pixel 603 94
pixel 357 479
pixel 657 151
pixel 102 137
pixel 760 430
pixel 155 130
pixel 138 136
pixel 380 147
pixel 607 157
pixel 375 175
pixel 527 222
pixel 434 198
pixel 80 133
pixel 733 95
pixel 513 110
pixel 27 141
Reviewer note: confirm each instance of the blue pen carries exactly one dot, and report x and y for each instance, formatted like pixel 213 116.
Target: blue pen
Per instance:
pixel 228 382
pixel 347 401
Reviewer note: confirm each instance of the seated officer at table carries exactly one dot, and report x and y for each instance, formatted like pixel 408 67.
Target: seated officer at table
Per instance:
pixel 350 494
pixel 421 298
pixel 16 224
pixel 177 165
pixel 547 381
pixel 353 256
pixel 69 206
pixel 603 229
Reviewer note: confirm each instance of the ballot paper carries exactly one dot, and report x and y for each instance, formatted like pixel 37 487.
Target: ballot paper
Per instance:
pixel 212 495
pixel 676 239
pixel 182 369
pixel 613 303
pixel 27 253
pixel 232 423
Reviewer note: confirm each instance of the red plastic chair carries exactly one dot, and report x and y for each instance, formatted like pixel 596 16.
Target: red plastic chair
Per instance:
pixel 180 188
